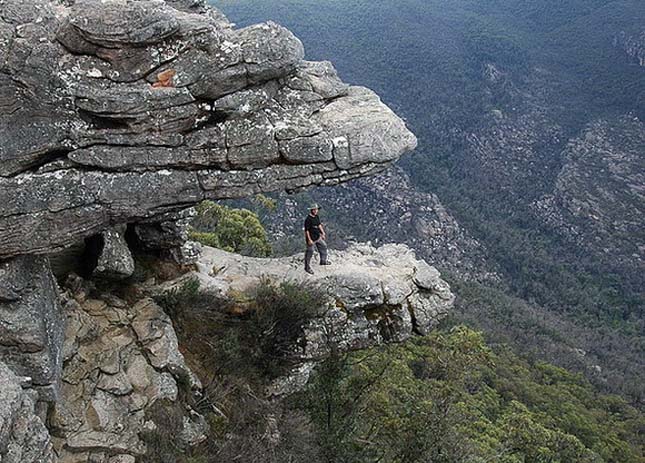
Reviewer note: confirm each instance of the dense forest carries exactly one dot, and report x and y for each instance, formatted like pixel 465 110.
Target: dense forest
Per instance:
pixel 450 398
pixel 446 397
pixel 497 93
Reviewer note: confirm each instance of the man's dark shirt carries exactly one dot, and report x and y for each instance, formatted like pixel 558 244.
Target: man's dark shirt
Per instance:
pixel 312 225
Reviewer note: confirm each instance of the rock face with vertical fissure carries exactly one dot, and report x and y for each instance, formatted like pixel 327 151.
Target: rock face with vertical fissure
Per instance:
pixel 31 323
pixel 118 111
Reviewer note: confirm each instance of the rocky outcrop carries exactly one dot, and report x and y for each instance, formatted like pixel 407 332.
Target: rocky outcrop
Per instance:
pixel 117 115
pixel 120 111
pixel 376 296
pixel 119 360
pixel 633 45
pixel 31 323
pixel 597 203
pixel 23 436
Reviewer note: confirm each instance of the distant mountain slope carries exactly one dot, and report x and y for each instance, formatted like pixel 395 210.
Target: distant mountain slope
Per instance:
pixel 598 203
pixel 497 93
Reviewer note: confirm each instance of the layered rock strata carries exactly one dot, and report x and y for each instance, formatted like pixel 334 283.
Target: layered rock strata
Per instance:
pixel 92 137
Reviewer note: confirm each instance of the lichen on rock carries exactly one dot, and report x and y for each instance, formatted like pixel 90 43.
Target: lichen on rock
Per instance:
pixel 91 141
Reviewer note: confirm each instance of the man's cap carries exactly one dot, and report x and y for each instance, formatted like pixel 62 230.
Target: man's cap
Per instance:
pixel 314 206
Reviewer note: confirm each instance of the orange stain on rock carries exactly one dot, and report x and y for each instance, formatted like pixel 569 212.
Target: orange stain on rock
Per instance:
pixel 164 79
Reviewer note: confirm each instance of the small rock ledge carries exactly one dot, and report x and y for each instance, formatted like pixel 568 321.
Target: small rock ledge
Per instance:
pixel 376 296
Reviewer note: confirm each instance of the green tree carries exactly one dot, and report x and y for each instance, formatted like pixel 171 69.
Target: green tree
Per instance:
pixel 397 404
pixel 449 398
pixel 234 230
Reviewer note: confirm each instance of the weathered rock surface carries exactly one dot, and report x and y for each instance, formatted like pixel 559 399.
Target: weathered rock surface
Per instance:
pixel 119 359
pixel 362 279
pixel 115 260
pixel 168 235
pixel 23 436
pixel 376 295
pixel 31 323
pixel 92 136
pixel 166 232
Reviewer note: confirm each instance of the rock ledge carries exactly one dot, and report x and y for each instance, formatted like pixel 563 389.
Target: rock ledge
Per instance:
pixel 376 296
pixel 120 111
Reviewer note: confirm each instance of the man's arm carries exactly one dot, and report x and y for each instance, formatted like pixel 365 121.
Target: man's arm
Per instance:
pixel 322 232
pixel 307 226
pixel 308 238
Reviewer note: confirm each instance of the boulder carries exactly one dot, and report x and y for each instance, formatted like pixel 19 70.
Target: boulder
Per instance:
pixel 31 323
pixel 115 261
pixel 23 435
pixel 167 235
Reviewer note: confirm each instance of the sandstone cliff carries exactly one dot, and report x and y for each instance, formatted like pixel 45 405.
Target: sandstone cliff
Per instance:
pixel 95 134
pixel 117 116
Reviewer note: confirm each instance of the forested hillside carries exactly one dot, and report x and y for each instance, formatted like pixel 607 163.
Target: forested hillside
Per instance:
pixel 446 397
pixel 450 398
pixel 500 93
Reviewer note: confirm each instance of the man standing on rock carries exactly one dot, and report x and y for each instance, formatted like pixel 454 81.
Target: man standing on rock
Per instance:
pixel 315 235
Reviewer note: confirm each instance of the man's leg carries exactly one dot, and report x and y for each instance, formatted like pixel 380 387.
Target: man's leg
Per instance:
pixel 322 250
pixel 308 255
